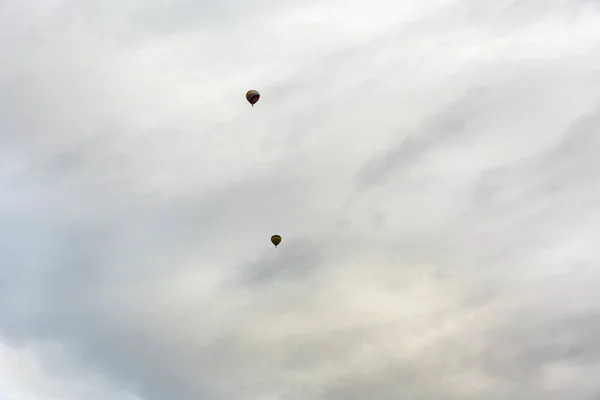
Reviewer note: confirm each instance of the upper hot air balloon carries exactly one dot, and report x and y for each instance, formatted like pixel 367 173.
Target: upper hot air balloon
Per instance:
pixel 275 239
pixel 252 96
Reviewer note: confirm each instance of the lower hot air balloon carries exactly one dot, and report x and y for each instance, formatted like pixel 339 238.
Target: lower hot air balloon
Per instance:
pixel 252 96
pixel 275 239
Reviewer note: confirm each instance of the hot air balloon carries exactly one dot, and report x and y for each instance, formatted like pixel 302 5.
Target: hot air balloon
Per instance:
pixel 275 239
pixel 252 96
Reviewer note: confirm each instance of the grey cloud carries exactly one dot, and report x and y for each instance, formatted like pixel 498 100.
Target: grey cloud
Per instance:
pixel 94 286
pixel 303 260
pixel 139 243
pixel 438 130
pixel 559 183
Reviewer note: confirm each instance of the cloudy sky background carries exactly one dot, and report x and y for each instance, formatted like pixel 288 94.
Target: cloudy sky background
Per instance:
pixel 432 167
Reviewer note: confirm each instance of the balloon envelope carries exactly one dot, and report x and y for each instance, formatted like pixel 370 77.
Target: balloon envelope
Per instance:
pixel 275 239
pixel 252 96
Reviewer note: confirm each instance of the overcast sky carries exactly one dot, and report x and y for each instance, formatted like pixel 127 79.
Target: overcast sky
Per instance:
pixel 432 167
